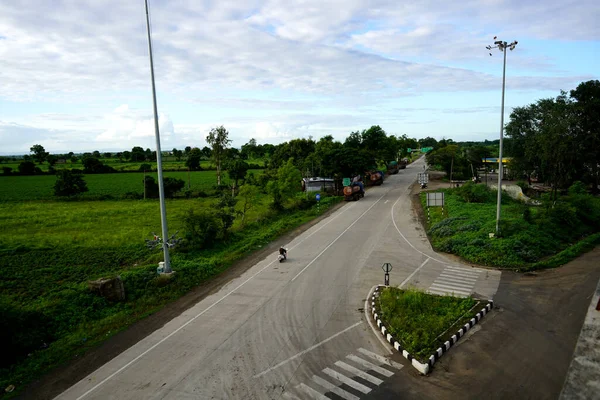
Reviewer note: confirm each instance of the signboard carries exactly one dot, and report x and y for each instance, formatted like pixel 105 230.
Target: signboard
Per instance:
pixel 426 149
pixel 318 197
pixel 387 267
pixel 423 177
pixel 435 199
pixel 346 182
pixel 409 150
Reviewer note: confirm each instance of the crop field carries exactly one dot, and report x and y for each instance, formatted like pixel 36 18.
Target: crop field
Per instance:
pixel 40 187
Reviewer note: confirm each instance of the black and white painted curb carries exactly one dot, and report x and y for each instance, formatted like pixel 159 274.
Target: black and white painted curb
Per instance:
pixel 426 368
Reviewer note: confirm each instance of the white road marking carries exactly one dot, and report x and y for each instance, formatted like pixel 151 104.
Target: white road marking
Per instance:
pixel 372 367
pixel 454 278
pixel 463 288
pixel 306 351
pixel 414 272
pixel 344 379
pixel 357 372
pixel 312 392
pixel 336 239
pixel 193 318
pixel 333 389
pixel 381 359
pixel 290 396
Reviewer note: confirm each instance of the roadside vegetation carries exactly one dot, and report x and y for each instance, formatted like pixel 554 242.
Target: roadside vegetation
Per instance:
pixel 68 224
pixel 422 322
pixel 532 237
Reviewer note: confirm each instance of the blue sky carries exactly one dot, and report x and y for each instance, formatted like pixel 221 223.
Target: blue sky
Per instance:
pixel 75 75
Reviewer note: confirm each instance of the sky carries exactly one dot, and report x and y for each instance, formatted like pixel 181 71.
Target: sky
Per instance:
pixel 75 74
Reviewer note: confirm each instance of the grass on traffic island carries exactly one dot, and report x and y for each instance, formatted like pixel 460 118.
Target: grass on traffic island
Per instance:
pixel 422 322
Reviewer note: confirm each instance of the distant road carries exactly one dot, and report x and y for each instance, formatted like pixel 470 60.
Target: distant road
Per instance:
pixel 295 329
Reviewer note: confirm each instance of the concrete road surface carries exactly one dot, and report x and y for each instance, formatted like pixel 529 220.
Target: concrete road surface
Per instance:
pixel 295 329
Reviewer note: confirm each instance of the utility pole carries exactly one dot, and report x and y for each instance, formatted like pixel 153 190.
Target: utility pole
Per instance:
pixel 161 189
pixel 502 46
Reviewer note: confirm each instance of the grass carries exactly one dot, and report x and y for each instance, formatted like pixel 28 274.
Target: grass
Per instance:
pixel 49 250
pixel 421 322
pixel 40 187
pixel 531 237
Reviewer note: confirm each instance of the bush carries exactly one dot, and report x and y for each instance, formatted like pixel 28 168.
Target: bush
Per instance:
pixel 145 167
pixel 69 184
pixel 201 228
pixel 474 193
pixel 6 170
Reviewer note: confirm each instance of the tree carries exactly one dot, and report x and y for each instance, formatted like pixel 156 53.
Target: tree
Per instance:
pixel 218 139
pixel 224 209
pixel 119 156
pixel 96 154
pixel 39 153
pixel 108 155
pixel 201 228
pixel 249 150
pixel 193 159
pixel 248 197
pixel 177 154
pixel 127 155
pixel 170 186
pixel 69 183
pixel 237 170
pixel 286 185
pixel 27 168
pixel 52 159
pixel 187 150
pixel 92 165
pixel 206 152
pixel 137 154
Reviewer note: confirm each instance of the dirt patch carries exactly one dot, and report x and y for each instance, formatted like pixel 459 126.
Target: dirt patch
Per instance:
pixel 63 377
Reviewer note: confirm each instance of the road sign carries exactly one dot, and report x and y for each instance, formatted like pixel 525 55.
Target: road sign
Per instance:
pixel 435 199
pixel 346 182
pixel 318 197
pixel 387 267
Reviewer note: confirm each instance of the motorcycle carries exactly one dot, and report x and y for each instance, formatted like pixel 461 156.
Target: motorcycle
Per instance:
pixel 282 256
pixel 423 185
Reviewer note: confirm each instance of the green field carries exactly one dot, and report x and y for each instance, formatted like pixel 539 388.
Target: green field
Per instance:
pixel 40 187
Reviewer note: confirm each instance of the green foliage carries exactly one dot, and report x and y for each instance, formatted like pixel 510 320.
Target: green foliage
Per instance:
pixel 39 153
pixel 528 234
pixel 201 228
pixel 419 320
pixel 28 168
pixel 218 139
pixel 69 183
pixel 145 167
pixel 225 211
pixel 193 159
pixel 92 165
pixel 475 193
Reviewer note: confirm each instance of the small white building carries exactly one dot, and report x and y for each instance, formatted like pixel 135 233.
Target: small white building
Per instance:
pixel 318 184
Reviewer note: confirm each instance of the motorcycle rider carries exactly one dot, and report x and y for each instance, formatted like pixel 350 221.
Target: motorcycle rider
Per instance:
pixel 283 252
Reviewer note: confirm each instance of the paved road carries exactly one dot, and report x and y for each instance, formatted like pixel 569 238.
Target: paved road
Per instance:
pixel 297 329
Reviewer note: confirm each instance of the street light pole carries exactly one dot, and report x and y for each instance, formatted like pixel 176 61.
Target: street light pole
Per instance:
pixel 161 189
pixel 502 46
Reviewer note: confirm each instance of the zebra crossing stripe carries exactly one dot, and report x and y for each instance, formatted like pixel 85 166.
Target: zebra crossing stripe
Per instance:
pixel 333 389
pixel 444 277
pixel 461 271
pixel 359 373
pixel 381 359
pixel 372 367
pixel 344 379
pixel 312 392
pixel 451 288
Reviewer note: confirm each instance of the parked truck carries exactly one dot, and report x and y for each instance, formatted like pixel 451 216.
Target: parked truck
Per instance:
pixel 353 192
pixel 375 178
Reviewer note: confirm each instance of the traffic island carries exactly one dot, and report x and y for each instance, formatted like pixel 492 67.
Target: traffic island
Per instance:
pixel 420 326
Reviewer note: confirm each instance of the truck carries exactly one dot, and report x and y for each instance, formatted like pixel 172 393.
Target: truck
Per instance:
pixel 353 192
pixel 375 178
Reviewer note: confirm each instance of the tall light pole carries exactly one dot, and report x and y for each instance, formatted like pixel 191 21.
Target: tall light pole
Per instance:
pixel 502 46
pixel 161 189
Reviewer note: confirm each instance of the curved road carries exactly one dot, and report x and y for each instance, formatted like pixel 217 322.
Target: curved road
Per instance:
pixel 296 329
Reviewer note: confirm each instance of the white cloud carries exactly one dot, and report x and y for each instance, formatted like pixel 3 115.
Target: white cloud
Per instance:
pixel 336 55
